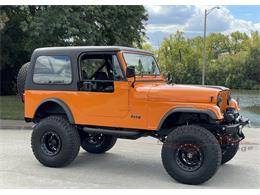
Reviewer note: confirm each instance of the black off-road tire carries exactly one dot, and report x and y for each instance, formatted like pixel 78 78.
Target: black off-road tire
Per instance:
pixel 68 138
pixel 229 152
pixel 108 141
pixel 21 78
pixel 204 142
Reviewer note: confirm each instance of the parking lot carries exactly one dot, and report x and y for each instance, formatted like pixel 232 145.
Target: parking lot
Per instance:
pixel 130 164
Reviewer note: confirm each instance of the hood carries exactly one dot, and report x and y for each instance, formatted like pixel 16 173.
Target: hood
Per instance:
pixel 185 93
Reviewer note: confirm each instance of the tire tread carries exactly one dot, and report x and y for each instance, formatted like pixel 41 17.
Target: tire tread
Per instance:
pixel 204 135
pixel 21 78
pixel 71 134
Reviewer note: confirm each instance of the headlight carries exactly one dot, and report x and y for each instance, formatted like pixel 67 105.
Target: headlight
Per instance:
pixel 219 102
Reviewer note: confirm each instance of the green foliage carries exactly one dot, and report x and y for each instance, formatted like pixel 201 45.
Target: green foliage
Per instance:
pixel 239 42
pixel 147 47
pixel 13 39
pixel 86 25
pixel 179 59
pixel 233 61
pixel 24 28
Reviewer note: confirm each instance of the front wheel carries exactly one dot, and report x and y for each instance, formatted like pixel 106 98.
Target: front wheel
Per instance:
pixel 191 154
pixel 97 143
pixel 228 152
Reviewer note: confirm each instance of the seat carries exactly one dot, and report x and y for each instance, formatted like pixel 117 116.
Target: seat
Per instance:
pixel 102 76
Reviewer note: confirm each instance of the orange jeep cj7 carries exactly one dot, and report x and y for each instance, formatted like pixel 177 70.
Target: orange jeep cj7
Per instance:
pixel 91 96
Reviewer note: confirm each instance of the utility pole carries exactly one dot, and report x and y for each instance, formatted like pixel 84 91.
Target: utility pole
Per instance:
pixel 207 12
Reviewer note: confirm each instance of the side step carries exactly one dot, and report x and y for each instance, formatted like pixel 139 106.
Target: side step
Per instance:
pixel 127 134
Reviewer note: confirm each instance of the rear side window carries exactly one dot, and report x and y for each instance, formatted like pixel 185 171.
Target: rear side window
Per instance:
pixel 52 70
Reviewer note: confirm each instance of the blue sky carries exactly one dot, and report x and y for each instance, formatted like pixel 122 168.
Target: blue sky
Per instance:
pixel 167 19
pixel 246 12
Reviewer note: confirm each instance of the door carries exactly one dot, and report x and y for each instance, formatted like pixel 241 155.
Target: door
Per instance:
pixel 104 89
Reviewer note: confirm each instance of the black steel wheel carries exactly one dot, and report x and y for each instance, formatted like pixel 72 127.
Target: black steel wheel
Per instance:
pixel 189 157
pixel 97 142
pixel 55 142
pixel 191 154
pixel 51 143
pixel 95 139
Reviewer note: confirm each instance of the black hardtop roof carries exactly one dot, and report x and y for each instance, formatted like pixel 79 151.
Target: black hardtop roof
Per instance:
pixel 91 48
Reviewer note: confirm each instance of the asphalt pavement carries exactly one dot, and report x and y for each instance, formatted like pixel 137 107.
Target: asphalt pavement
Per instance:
pixel 130 164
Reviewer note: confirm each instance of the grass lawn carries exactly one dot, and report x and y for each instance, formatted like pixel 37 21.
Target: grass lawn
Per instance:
pixel 11 107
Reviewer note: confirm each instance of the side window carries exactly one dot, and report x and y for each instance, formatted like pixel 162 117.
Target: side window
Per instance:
pixel 90 66
pixel 97 72
pixel 52 70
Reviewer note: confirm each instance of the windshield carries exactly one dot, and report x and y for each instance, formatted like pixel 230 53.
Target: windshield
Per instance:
pixel 144 64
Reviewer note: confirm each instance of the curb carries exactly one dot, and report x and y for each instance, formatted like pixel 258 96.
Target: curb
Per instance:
pixel 15 124
pixel 2 127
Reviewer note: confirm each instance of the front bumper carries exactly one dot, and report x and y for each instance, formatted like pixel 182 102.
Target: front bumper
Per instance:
pixel 235 130
pixel 233 124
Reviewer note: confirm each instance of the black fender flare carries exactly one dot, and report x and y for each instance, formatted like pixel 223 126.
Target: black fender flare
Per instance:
pixel 62 104
pixel 210 113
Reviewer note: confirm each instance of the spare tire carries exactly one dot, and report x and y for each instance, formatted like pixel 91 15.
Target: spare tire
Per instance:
pixel 21 78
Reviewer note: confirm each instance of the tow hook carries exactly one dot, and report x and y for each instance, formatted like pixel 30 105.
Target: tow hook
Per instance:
pixel 244 121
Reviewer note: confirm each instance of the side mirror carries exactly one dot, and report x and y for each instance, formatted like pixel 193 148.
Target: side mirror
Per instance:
pixel 130 71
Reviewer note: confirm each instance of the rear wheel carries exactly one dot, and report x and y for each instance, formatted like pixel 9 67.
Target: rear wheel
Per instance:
pixel 97 143
pixel 55 142
pixel 191 154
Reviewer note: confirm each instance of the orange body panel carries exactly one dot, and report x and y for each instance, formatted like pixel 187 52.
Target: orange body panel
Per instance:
pixel 141 107
pixel 116 109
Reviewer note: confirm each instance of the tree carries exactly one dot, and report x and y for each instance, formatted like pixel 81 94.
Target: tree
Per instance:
pixel 252 64
pixel 232 60
pixel 146 46
pixel 238 42
pixel 179 60
pixel 13 39
pixel 25 28
pixel 217 44
pixel 87 25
